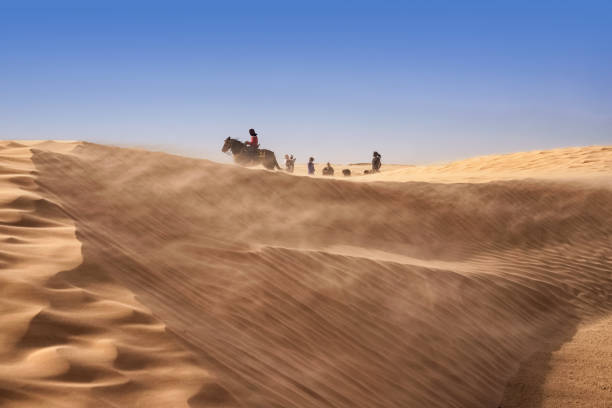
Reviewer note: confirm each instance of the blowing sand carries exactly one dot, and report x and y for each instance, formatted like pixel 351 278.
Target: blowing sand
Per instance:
pixel 131 278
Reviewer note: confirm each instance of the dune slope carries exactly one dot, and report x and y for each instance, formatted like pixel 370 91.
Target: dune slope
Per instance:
pixel 133 278
pixel 264 289
pixel 80 342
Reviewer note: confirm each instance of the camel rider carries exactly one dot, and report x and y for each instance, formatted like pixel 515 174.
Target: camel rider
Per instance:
pixel 254 143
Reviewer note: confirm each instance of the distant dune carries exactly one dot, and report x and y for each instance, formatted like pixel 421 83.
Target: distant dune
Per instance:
pixel 593 162
pixel 132 278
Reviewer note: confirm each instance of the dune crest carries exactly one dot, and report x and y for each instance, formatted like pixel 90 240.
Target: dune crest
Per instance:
pixel 254 288
pixel 590 163
pixel 72 338
pixel 38 241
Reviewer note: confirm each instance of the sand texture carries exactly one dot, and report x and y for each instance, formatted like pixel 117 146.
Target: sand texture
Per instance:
pixel 140 279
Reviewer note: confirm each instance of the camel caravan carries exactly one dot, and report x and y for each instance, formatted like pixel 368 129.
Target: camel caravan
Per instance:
pixel 249 154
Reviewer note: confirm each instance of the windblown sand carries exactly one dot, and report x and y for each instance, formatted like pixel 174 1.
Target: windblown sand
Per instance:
pixel 137 279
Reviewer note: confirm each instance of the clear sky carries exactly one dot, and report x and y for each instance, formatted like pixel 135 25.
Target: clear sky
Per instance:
pixel 419 81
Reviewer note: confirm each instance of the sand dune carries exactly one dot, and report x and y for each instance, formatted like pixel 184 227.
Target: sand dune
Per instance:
pixel 72 345
pixel 593 163
pixel 133 278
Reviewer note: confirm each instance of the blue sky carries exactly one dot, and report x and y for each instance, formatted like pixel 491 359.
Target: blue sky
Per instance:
pixel 419 81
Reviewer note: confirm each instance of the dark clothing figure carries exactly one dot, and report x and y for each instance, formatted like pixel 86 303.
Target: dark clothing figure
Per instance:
pixel 311 168
pixel 376 163
pixel 328 170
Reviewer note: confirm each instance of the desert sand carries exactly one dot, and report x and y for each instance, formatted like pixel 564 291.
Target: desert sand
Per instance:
pixel 577 163
pixel 132 278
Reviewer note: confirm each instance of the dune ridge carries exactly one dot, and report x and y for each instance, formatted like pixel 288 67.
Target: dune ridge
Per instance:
pixel 199 284
pixel 563 162
pixel 38 240
pixel 65 344
pixel 588 163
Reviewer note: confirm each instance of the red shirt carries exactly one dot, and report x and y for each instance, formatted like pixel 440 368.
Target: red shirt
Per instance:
pixel 254 141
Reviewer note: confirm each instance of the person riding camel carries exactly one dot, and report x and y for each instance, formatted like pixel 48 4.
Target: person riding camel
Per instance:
pixel 254 143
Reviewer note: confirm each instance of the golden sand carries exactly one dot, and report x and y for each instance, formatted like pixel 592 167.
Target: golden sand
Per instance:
pixel 131 278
